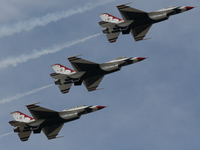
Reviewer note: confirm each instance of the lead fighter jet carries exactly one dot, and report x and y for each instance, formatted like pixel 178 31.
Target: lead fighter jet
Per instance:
pixel 49 121
pixel 135 21
pixel 88 72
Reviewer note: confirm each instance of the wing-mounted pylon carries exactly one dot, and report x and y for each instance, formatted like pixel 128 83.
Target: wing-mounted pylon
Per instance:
pixel 92 83
pixel 51 132
pixel 140 32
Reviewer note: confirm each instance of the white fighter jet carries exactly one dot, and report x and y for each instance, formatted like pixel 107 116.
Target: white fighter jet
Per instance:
pixel 88 72
pixel 49 121
pixel 135 21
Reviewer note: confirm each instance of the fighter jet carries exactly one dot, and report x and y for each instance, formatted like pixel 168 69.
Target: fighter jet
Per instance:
pixel 88 72
pixel 49 121
pixel 135 21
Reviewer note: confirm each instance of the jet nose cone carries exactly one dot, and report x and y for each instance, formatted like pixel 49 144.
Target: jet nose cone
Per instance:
pixel 140 58
pixel 100 107
pixel 189 7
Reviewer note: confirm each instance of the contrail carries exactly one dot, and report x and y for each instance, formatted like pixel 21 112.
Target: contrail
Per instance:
pixel 20 95
pixel 14 61
pixel 1 136
pixel 28 25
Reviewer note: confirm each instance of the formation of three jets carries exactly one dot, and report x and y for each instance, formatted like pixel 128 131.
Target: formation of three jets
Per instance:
pixel 50 122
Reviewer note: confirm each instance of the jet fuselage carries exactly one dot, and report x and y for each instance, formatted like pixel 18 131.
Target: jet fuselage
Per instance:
pixel 105 68
pixel 151 18
pixel 135 21
pixel 54 118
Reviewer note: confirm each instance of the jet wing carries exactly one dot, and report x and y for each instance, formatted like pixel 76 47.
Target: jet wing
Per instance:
pixel 52 131
pixel 41 112
pixel 82 65
pixel 24 136
pixel 129 13
pixel 140 32
pixel 92 83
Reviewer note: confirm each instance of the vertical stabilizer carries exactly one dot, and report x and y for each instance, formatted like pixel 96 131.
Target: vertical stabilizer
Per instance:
pixel 58 68
pixel 19 116
pixel 110 18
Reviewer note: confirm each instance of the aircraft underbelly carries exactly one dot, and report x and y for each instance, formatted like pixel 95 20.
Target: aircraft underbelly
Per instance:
pixel 94 73
pixel 59 120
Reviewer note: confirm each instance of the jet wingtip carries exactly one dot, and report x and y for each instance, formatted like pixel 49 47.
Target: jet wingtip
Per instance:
pixel 32 104
pixel 122 5
pixel 74 57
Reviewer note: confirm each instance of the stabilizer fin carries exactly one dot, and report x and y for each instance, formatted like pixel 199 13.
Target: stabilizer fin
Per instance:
pixel 58 68
pixel 21 117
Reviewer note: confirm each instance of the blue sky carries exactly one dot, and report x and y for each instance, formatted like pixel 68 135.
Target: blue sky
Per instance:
pixel 153 104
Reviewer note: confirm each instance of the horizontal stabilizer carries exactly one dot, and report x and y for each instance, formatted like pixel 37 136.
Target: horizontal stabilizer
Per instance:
pixel 64 88
pixel 58 75
pixel 112 37
pixel 24 136
pixel 105 24
pixel 17 123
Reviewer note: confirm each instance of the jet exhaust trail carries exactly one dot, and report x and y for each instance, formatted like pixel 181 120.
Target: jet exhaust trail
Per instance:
pixel 20 95
pixel 3 135
pixel 28 25
pixel 14 61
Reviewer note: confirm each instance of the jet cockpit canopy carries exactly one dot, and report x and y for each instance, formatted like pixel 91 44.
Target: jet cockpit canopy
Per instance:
pixel 75 107
pixel 120 58
pixel 167 8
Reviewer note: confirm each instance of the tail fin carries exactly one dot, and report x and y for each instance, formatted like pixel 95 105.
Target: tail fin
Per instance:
pixel 19 116
pixel 24 136
pixel 58 68
pixel 110 18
